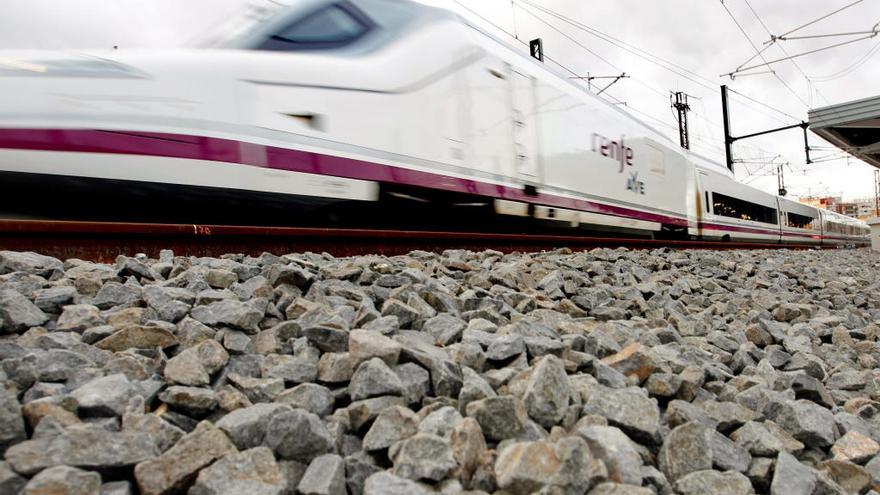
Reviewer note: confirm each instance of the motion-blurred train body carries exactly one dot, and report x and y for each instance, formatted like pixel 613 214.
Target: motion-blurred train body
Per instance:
pixel 371 110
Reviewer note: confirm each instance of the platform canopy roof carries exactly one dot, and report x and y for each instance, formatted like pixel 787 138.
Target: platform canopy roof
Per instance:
pixel 854 127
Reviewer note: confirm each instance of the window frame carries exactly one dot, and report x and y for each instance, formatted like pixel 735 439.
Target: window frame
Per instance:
pixel 275 42
pixel 788 221
pixel 721 209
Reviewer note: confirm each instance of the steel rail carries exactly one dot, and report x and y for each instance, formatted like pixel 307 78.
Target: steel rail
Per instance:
pixel 104 241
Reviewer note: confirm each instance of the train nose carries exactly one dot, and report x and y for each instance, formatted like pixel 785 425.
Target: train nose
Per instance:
pixel 41 85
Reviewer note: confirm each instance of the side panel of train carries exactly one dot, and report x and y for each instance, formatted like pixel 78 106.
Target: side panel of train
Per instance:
pixel 594 166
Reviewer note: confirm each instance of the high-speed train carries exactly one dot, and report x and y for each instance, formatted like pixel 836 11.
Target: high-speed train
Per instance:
pixel 366 111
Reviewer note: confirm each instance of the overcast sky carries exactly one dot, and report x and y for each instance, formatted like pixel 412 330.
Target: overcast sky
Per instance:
pixel 696 35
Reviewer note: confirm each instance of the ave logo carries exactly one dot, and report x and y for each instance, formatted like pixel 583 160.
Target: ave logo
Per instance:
pixel 634 184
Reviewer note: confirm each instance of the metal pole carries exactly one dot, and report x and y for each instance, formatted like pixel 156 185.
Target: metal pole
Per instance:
pixel 681 106
pixel 806 142
pixel 877 193
pixel 727 139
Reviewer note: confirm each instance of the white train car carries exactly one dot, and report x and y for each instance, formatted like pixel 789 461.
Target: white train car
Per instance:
pixel 801 223
pixel 355 108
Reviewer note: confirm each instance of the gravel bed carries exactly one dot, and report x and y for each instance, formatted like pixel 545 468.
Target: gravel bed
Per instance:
pixel 604 372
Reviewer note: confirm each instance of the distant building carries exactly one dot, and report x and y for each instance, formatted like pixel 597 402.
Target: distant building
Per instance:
pixel 830 203
pixel 862 209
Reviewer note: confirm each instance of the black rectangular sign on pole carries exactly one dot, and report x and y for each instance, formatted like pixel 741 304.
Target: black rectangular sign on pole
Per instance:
pixel 537 48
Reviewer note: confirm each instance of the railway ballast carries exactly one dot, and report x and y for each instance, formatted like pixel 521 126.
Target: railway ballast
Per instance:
pixel 608 371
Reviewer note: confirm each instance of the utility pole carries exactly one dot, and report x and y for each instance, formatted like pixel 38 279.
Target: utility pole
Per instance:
pixel 680 104
pixel 780 179
pixel 729 140
pixel 728 143
pixel 877 192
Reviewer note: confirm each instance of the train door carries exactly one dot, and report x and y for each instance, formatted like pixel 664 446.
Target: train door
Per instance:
pixel 704 200
pixel 488 126
pixel 525 127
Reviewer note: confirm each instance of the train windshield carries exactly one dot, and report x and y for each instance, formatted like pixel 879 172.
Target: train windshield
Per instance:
pixel 231 32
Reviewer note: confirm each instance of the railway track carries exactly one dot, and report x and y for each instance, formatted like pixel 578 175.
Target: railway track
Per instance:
pixel 104 241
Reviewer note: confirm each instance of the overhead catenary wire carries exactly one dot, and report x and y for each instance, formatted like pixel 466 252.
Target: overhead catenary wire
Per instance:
pixel 797 66
pixel 803 54
pixel 856 2
pixel 760 53
pixel 712 144
pixel 641 53
pixel 844 72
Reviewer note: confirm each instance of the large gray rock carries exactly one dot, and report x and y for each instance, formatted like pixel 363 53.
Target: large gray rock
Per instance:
pixel 29 262
pixel 758 439
pixel 364 345
pixel 500 418
pixel 727 455
pixel 11 420
pixel 106 396
pixel 298 435
pixel 192 400
pixel 717 483
pixel 506 347
pixel 616 450
pixel 246 427
pixel 374 378
pixel 167 303
pixel 440 422
pixel 79 317
pixel 855 447
pixel 324 476
pixel 195 365
pixel 386 483
pixel 63 480
pixel 567 466
pixel 162 433
pixel 445 328
pixel 416 381
pixel 9 481
pixel 811 424
pixel 257 389
pixel 290 369
pixel 423 456
pixel 359 467
pixel 138 337
pixel 309 396
pixel 51 300
pixel 175 469
pixel 82 446
pixel 391 426
pixel 242 315
pixel 547 392
pixel 629 409
pixel 686 449
pixel 253 472
pixel 115 294
pixel 790 477
pixel 18 313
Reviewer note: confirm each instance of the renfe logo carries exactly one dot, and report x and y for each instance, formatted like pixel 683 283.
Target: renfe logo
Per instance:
pixel 614 150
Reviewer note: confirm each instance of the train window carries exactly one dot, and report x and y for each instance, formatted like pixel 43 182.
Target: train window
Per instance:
pixel 330 27
pixel 744 210
pixel 708 203
pixel 799 221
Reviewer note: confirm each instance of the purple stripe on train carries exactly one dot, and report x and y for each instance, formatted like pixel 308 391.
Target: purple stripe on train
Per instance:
pixel 232 151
